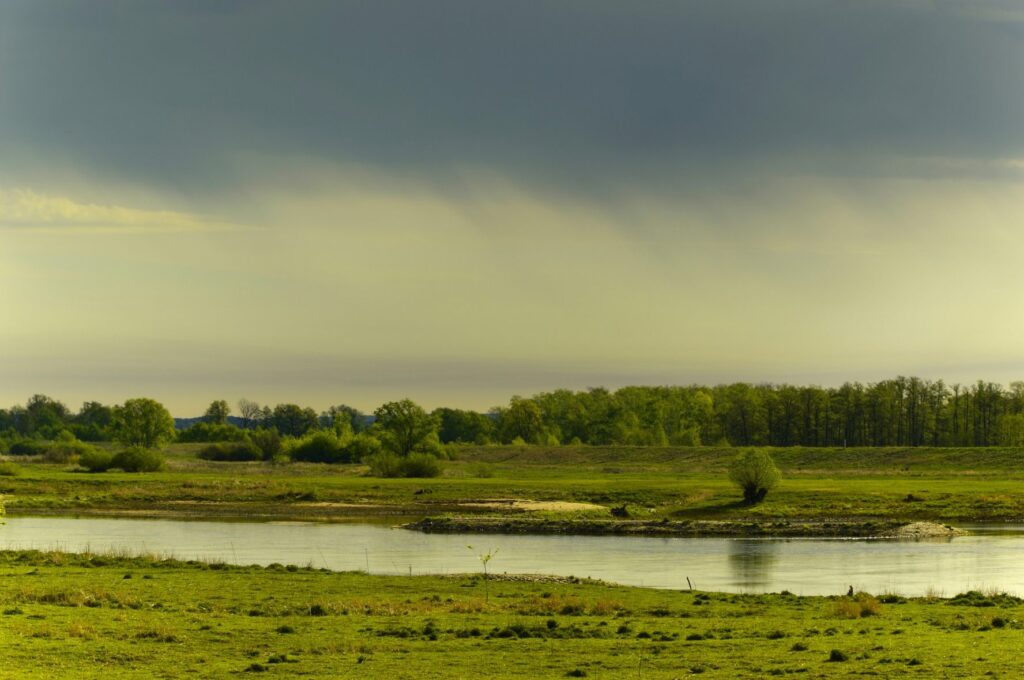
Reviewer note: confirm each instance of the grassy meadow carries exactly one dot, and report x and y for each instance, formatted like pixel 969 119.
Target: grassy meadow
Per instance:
pixel 940 484
pixel 103 616
pixel 89 616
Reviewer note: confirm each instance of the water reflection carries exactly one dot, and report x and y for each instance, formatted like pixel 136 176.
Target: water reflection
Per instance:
pixel 752 563
pixel 804 567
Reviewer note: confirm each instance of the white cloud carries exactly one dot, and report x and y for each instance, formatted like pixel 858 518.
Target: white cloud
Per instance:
pixel 26 208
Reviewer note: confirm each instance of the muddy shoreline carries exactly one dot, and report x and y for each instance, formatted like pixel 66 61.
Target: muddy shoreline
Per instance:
pixel 415 518
pixel 686 528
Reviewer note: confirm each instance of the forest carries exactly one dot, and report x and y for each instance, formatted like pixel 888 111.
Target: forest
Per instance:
pixel 896 412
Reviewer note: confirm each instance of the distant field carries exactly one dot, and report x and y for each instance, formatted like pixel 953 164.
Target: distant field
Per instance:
pixel 67 616
pixel 951 485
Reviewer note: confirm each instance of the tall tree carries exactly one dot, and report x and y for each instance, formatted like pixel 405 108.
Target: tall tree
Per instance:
pixel 217 412
pixel 404 426
pixel 92 421
pixel 352 418
pixel 142 422
pixel 293 420
pixel 524 420
pixel 469 427
pixel 44 417
pixel 249 411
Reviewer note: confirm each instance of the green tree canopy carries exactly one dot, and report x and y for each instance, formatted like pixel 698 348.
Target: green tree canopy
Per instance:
pixel 754 472
pixel 404 426
pixel 293 420
pixel 217 412
pixel 44 417
pixel 522 419
pixel 92 421
pixel 468 427
pixel 343 417
pixel 142 422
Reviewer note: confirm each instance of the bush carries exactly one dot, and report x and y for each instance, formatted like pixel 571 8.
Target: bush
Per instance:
pixel 385 464
pixel 138 460
pixel 96 460
pixel 321 447
pixel 231 451
pixel 859 606
pixel 9 470
pixel 420 465
pixel 27 447
pixel 212 432
pixel 66 451
pixel 755 474
pixel 363 447
pixel 268 442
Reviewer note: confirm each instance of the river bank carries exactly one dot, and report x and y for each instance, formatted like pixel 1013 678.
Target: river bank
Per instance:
pixel 111 617
pixel 685 528
pixel 513 522
pixel 803 565
pixel 587 490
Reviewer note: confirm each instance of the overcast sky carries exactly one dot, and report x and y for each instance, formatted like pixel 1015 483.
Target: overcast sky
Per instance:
pixel 459 200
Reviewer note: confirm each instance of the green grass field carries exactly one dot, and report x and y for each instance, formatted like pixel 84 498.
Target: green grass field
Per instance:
pixel 949 485
pixel 68 616
pixel 108 617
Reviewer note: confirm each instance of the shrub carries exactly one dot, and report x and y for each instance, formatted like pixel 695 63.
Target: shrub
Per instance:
pixel 231 451
pixel 974 598
pixel 420 465
pixel 321 447
pixel 268 442
pixel 363 446
pixel 859 606
pixel 212 432
pixel 66 451
pixel 9 470
pixel 138 460
pixel 385 464
pixel 96 460
pixel 755 474
pixel 27 447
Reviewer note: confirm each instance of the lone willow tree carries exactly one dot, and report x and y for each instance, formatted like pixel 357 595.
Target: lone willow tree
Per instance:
pixel 142 422
pixel 755 474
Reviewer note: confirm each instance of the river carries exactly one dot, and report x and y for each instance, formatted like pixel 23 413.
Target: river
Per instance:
pixel 989 558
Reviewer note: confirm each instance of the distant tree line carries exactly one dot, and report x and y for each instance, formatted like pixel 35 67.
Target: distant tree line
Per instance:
pixel 897 412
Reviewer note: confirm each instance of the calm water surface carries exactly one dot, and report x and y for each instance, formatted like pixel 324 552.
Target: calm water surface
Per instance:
pixel 991 559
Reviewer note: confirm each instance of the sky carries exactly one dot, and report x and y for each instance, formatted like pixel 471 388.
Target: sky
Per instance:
pixel 461 200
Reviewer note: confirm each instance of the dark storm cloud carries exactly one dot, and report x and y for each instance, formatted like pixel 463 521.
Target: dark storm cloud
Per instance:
pixel 571 93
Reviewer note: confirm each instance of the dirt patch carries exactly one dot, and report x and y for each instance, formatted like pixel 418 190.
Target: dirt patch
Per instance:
pixel 523 505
